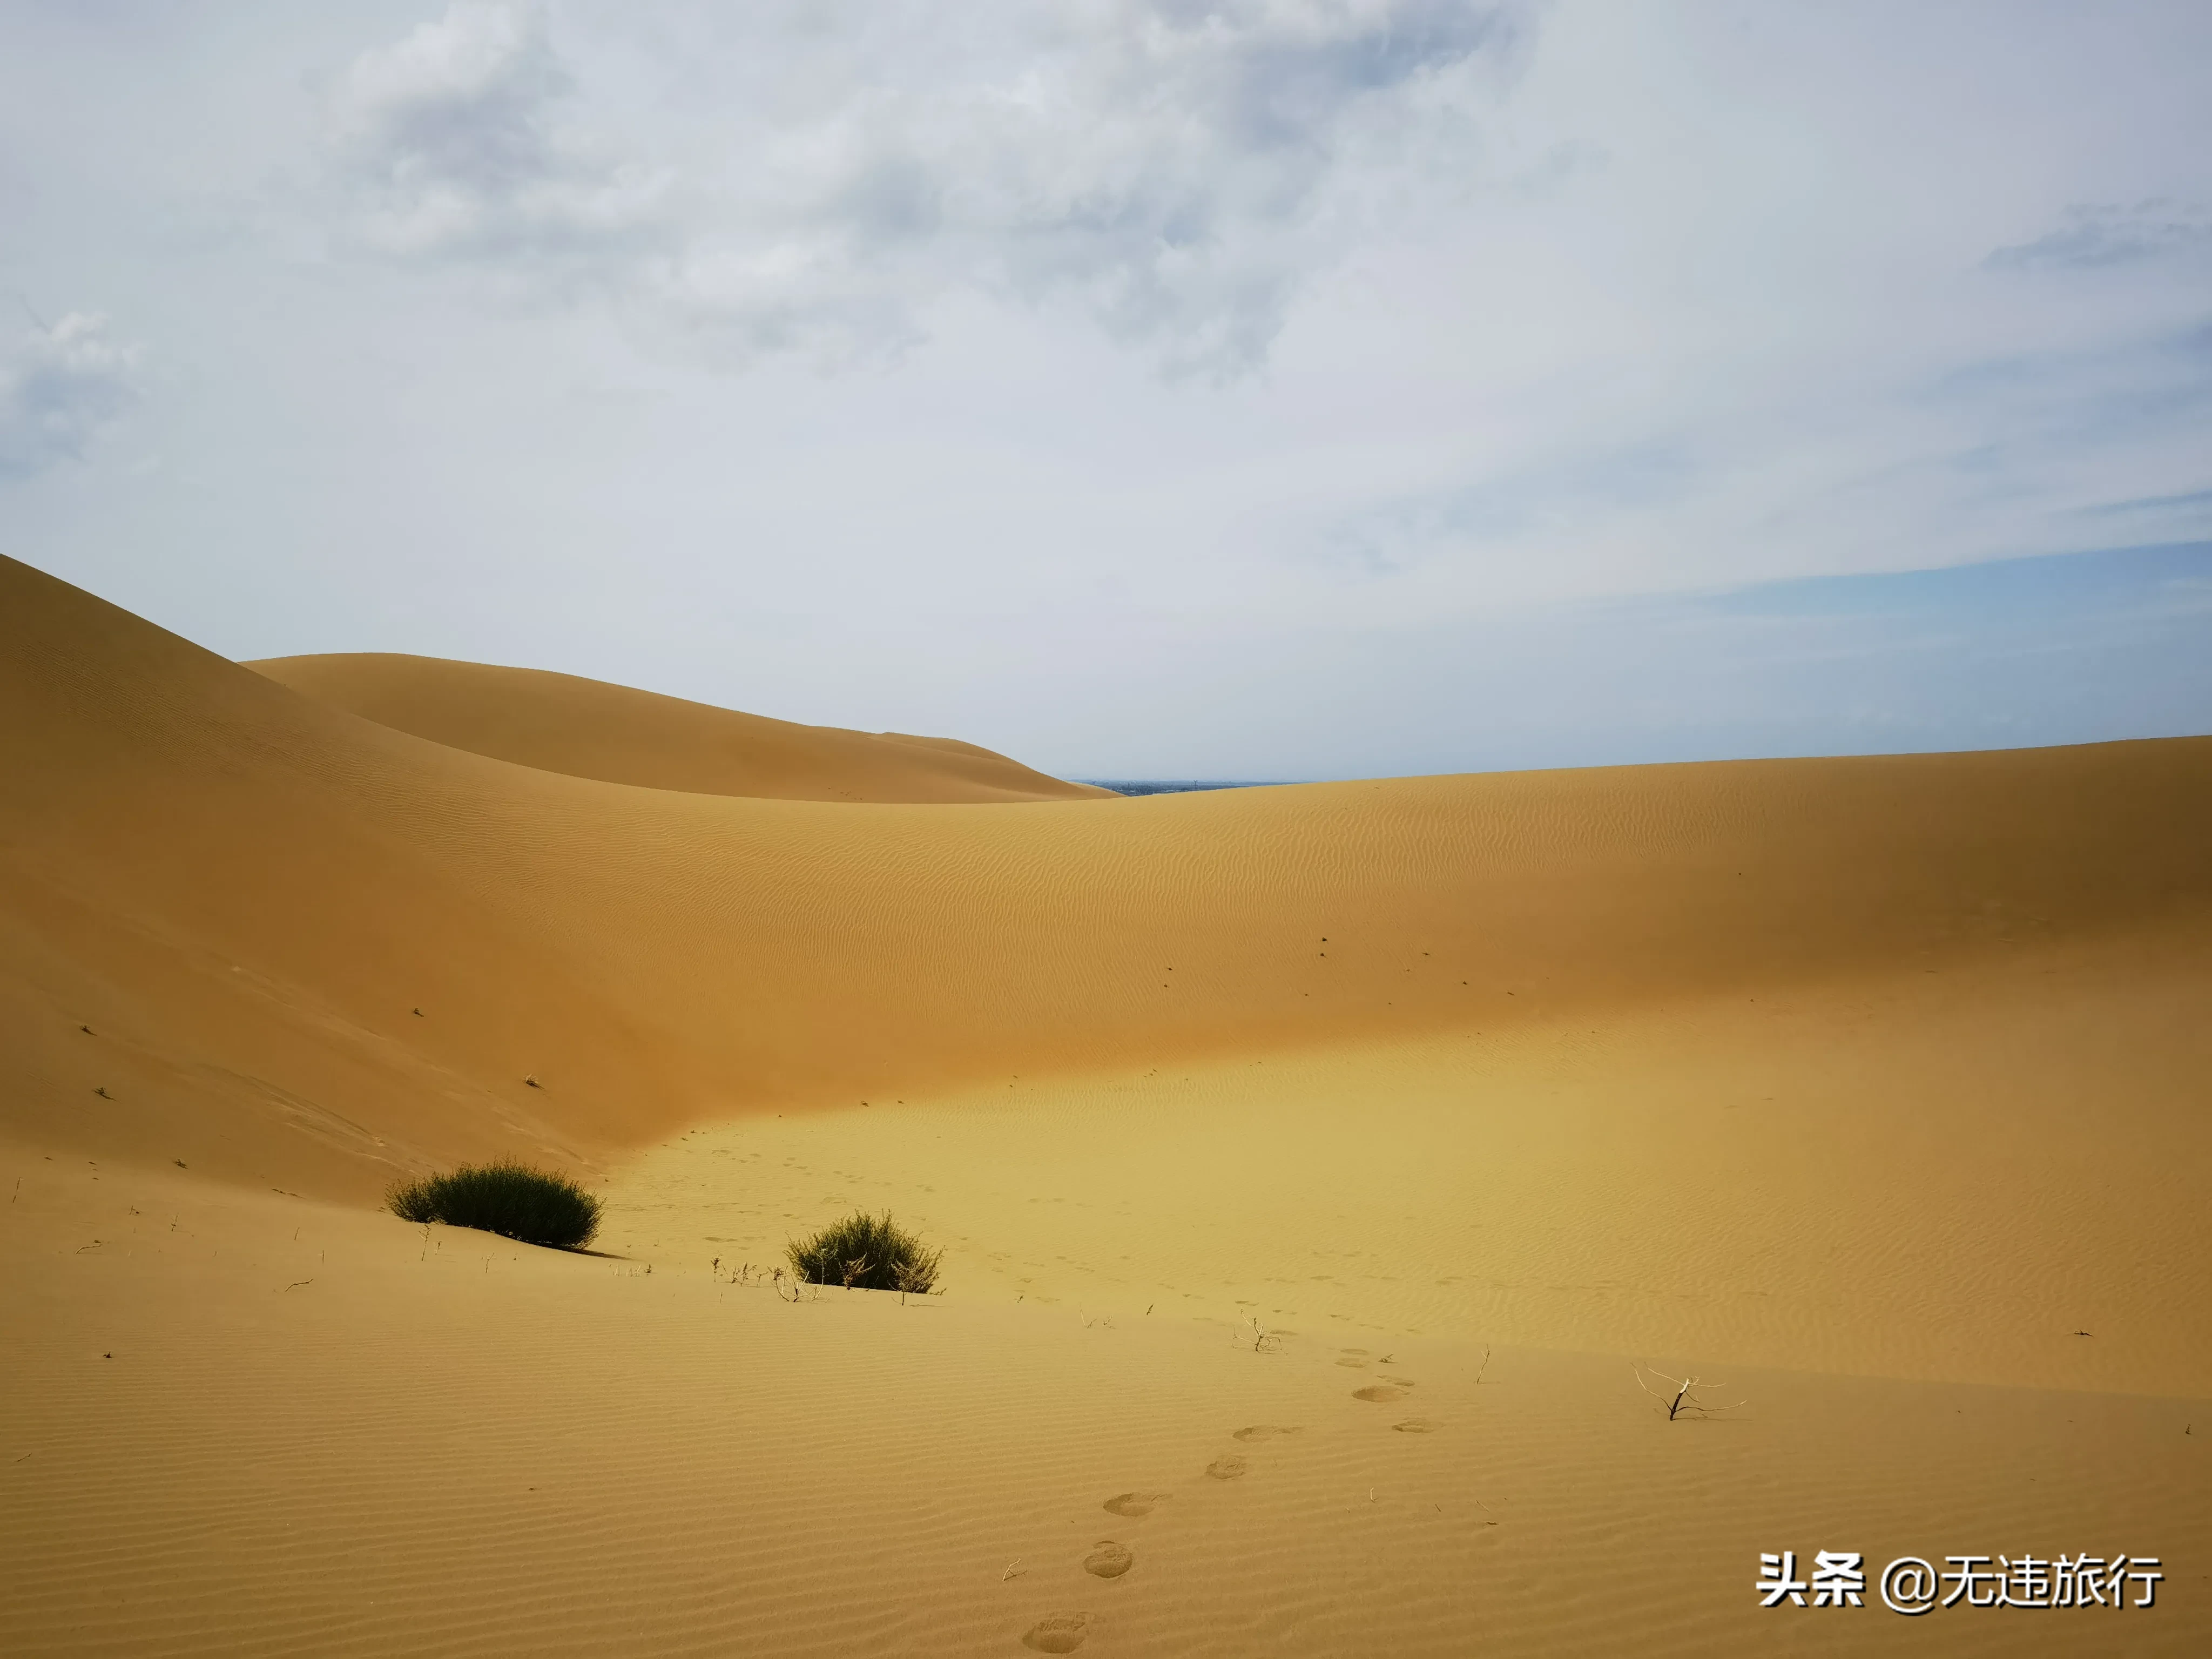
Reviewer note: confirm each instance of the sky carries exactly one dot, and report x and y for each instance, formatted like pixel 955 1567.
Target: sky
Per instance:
pixel 1145 388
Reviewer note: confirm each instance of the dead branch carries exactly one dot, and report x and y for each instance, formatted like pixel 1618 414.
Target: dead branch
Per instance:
pixel 1683 1402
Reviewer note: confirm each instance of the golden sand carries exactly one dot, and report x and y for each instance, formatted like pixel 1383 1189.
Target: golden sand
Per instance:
pixel 1872 1090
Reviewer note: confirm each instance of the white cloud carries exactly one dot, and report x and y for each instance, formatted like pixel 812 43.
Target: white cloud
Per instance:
pixel 2109 234
pixel 59 387
pixel 1642 295
pixel 452 144
pixel 1180 171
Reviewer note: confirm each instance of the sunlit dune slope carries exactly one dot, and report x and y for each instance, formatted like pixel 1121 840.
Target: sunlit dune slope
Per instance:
pixel 1312 1160
pixel 247 1424
pixel 246 894
pixel 588 729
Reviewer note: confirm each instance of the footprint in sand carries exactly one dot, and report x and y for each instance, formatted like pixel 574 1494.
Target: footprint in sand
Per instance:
pixel 1135 1504
pixel 1347 1359
pixel 1403 1381
pixel 1058 1632
pixel 1227 1468
pixel 1417 1426
pixel 1107 1560
pixel 1263 1431
pixel 1378 1391
pixel 1352 1351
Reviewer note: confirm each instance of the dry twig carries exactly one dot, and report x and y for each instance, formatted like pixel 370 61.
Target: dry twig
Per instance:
pixel 1684 1402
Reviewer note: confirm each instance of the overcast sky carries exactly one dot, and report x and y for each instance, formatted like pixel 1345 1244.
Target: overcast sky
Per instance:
pixel 1279 388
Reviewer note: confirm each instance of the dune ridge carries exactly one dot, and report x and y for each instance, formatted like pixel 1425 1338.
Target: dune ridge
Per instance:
pixel 586 728
pixel 653 956
pixel 1403 1115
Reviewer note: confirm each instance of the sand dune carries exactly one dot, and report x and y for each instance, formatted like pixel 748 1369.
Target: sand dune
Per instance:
pixel 1874 1081
pixel 250 1425
pixel 653 956
pixel 585 729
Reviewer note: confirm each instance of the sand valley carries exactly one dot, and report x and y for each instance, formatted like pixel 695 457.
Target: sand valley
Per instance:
pixel 1318 1169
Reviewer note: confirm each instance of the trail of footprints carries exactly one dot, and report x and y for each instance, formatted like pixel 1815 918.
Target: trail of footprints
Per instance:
pixel 1110 1559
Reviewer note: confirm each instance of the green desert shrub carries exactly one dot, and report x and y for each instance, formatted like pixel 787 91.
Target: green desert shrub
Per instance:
pixel 509 1198
pixel 869 1252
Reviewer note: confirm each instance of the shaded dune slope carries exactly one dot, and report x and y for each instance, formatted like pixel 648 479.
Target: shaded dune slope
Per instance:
pixel 247 893
pixel 588 729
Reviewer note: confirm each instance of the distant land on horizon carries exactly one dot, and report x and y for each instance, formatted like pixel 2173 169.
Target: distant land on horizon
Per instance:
pixel 1168 786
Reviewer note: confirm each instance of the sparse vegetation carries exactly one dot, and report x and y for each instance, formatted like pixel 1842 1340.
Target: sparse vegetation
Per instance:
pixel 509 1198
pixel 865 1252
pixel 1680 1395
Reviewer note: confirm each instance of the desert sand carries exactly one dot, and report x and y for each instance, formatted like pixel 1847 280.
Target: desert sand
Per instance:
pixel 587 729
pixel 1314 1164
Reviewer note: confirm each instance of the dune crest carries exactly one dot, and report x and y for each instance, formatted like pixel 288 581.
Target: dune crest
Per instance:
pixel 257 890
pixel 1310 1164
pixel 586 728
